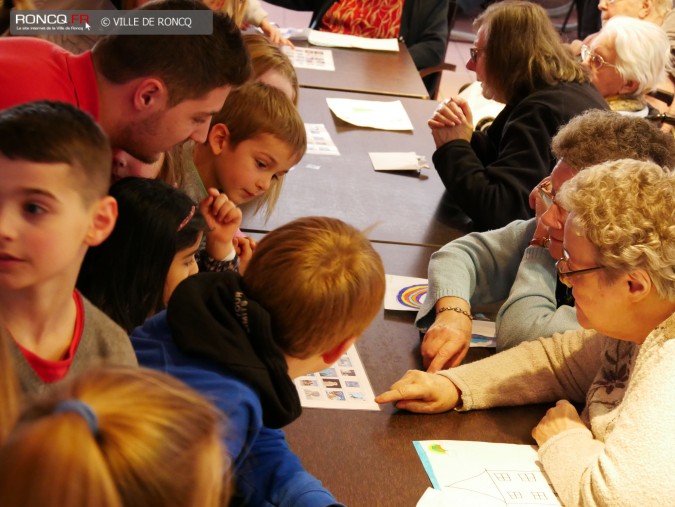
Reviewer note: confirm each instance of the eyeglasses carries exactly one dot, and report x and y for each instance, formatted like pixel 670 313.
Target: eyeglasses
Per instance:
pixel 473 53
pixel 564 272
pixel 545 189
pixel 594 60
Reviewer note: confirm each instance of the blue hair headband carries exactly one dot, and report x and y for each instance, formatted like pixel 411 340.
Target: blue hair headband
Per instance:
pixel 82 409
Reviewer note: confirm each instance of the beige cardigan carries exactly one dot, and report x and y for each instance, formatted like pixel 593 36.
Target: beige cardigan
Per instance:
pixel 628 457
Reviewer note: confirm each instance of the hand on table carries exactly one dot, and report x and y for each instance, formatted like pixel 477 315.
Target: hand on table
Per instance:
pixel 223 219
pixel 446 342
pixel 274 34
pixel 422 392
pixel 452 120
pixel 244 246
pixel 560 418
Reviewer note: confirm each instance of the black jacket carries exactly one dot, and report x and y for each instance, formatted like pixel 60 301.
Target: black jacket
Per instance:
pixel 491 177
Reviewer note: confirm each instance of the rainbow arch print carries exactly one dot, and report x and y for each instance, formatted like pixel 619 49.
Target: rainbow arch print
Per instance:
pixel 412 296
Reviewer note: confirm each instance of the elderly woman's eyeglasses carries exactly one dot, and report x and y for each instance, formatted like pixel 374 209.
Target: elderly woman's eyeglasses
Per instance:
pixel 545 189
pixel 564 272
pixel 594 60
pixel 473 53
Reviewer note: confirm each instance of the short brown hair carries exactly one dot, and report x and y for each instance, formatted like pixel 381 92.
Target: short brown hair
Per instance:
pixel 190 65
pixel 56 132
pixel 523 52
pixel 597 136
pixel 254 109
pixel 321 281
pixel 266 56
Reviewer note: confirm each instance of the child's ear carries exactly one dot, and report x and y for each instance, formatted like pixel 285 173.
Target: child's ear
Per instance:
pixel 336 352
pixel 103 221
pixel 150 95
pixel 219 135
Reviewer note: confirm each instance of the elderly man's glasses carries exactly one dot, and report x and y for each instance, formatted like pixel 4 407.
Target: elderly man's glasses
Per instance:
pixel 473 53
pixel 545 189
pixel 594 60
pixel 564 272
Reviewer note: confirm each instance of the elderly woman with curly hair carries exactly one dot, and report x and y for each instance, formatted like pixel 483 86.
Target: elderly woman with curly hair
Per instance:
pixel 619 259
pixel 520 61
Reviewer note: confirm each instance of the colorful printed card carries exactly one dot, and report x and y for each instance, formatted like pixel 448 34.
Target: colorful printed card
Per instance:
pixel 344 385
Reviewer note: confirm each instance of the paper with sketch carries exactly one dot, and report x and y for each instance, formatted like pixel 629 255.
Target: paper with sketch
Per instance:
pixel 341 40
pixel 319 141
pixel 383 115
pixel 408 293
pixel 397 161
pixel 344 385
pixel 483 474
pixel 310 58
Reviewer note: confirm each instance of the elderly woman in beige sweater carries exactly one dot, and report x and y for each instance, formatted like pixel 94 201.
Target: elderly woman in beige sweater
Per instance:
pixel 619 259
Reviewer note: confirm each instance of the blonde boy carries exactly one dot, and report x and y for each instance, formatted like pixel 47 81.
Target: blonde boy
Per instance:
pixel 311 289
pixel 253 141
pixel 54 174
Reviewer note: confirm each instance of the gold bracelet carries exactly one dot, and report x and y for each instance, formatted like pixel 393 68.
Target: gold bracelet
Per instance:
pixel 542 242
pixel 454 309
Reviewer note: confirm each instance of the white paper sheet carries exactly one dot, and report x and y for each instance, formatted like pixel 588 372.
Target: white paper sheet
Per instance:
pixel 483 474
pixel 310 58
pixel 344 385
pixel 340 40
pixel 383 115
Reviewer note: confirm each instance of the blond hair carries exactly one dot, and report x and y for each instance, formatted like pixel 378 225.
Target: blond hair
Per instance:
pixel 254 109
pixel 266 57
pixel 236 10
pixel 157 443
pixel 625 209
pixel 320 279
pixel 523 52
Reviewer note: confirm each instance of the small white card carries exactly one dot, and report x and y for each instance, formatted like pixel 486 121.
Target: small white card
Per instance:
pixel 397 161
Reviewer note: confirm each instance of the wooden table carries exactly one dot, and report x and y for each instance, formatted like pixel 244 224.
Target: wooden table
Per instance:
pixel 367 459
pixel 360 70
pixel 404 207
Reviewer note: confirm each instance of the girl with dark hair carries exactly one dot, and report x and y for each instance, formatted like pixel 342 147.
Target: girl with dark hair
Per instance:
pixel 152 249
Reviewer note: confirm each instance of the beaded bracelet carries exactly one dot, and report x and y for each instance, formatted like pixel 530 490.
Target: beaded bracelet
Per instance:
pixel 454 309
